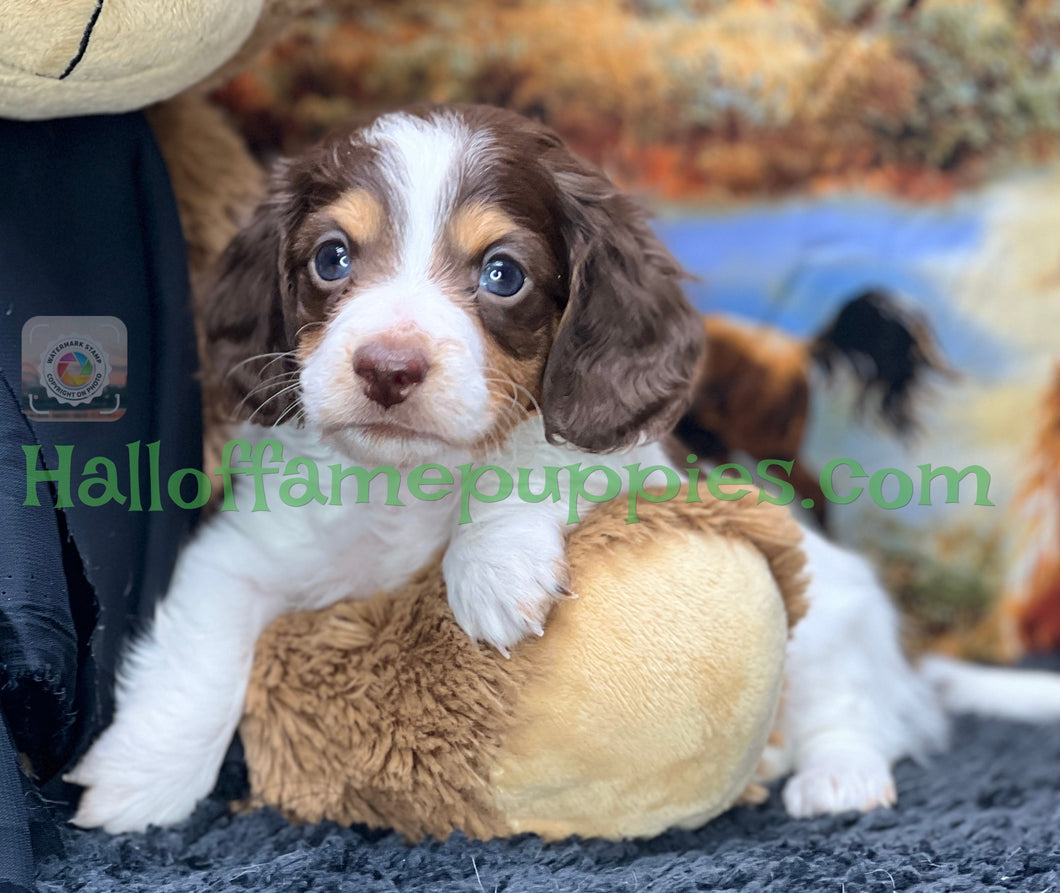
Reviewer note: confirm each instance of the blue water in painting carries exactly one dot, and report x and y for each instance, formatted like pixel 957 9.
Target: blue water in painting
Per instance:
pixel 793 264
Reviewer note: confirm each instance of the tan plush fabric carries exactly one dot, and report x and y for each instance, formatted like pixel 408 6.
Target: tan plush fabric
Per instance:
pixel 652 701
pixel 646 704
pixel 276 15
pixel 43 39
pixel 135 52
pixel 379 712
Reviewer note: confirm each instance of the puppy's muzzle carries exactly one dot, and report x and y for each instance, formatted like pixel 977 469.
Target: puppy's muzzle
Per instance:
pixel 389 373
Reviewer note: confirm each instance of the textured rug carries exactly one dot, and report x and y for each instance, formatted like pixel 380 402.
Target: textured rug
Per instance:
pixel 984 817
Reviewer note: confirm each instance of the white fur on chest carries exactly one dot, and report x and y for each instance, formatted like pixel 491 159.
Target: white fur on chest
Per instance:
pixel 311 555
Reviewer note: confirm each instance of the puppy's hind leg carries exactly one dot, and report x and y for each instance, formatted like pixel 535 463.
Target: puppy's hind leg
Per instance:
pixel 853 704
pixel 837 769
pixel 178 701
pixel 827 726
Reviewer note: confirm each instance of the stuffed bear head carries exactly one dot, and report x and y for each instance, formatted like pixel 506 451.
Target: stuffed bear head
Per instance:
pixel 78 57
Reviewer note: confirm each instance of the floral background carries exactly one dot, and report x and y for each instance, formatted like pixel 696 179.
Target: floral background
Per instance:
pixel 795 154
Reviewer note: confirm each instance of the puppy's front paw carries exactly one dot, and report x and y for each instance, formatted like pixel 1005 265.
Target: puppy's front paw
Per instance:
pixel 838 780
pixel 128 786
pixel 503 578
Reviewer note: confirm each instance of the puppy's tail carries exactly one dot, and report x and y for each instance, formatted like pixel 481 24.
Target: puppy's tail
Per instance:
pixel 1002 692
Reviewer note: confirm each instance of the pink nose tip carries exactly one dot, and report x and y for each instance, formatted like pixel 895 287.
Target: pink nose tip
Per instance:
pixel 389 373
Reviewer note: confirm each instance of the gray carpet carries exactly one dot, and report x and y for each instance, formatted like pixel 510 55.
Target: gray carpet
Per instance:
pixel 985 817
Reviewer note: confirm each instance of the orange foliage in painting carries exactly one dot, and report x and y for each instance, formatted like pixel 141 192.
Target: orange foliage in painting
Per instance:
pixel 693 98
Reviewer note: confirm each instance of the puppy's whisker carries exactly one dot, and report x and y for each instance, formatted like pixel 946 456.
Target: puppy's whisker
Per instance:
pixel 493 443
pixel 284 390
pixel 316 322
pixel 517 391
pixel 271 383
pixel 268 400
pixel 512 414
pixel 284 375
pixel 276 357
pixel 293 408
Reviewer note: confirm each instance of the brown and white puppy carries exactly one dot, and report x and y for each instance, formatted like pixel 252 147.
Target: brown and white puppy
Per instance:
pixel 446 285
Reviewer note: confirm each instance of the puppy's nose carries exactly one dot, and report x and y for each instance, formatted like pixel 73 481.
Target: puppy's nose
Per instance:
pixel 389 373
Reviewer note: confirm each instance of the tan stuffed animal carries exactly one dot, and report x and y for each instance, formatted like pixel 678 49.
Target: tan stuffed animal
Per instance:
pixel 645 706
pixel 72 57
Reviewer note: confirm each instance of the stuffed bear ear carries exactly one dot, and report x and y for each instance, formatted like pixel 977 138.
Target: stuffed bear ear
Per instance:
pixel 621 365
pixel 246 321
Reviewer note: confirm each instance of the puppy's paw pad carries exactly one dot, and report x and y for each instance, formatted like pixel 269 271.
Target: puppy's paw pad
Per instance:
pixel 840 781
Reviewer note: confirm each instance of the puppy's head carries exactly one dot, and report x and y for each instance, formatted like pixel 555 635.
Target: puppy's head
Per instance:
pixel 427 281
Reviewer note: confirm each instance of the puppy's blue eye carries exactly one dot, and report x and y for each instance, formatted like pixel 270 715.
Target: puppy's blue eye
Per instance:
pixel 502 276
pixel 332 261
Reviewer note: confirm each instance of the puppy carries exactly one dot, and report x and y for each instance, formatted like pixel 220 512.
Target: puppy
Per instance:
pixel 446 285
pixel 450 285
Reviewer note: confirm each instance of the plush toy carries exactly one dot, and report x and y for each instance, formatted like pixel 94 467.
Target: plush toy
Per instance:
pixel 646 705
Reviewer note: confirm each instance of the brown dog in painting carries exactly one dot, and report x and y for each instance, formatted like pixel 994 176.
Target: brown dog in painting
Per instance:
pixel 752 389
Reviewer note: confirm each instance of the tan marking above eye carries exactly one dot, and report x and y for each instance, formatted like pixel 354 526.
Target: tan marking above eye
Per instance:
pixel 360 214
pixel 475 227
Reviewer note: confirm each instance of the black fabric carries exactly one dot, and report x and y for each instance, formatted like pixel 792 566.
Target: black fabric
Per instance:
pixel 38 651
pixel 88 227
pixel 983 818
pixel 16 851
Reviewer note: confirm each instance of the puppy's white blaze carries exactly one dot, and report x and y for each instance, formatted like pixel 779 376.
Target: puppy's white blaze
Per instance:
pixel 426 158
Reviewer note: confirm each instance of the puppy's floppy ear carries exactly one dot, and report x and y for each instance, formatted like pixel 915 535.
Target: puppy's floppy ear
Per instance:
pixel 247 331
pixel 627 345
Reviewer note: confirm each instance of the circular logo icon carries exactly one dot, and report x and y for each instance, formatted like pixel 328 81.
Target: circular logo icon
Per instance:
pixel 74 369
